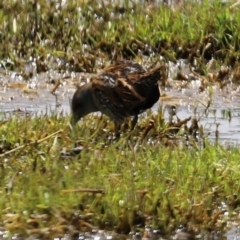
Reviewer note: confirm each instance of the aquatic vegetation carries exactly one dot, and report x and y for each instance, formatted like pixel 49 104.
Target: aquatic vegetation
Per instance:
pixel 161 175
pixel 154 176
pixel 82 33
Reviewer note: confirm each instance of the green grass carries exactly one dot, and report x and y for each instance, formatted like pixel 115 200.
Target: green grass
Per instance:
pixel 142 183
pixel 82 32
pixel 149 177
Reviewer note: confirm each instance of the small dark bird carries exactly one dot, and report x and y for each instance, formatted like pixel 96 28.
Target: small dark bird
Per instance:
pixel 123 89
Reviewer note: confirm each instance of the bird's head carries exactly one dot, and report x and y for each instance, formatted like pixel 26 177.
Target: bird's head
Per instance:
pixel 82 103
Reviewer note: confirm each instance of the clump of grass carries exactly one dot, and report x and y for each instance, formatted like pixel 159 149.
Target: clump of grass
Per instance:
pixel 122 185
pixel 82 33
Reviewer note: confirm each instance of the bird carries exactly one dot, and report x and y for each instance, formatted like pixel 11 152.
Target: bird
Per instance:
pixel 123 89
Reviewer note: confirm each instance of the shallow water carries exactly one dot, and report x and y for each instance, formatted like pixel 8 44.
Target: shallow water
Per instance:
pixel 35 97
pixel 223 114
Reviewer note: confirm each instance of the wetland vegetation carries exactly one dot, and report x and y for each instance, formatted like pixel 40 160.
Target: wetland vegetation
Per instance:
pixel 163 175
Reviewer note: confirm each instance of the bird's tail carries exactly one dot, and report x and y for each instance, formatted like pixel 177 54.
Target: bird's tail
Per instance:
pixel 148 81
pixel 154 75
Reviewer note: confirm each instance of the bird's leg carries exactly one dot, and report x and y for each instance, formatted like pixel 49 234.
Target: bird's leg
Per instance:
pixel 117 126
pixel 134 122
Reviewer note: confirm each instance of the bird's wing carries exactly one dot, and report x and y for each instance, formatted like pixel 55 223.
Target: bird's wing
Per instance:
pixel 115 93
pixel 127 92
pixel 144 82
pixel 116 88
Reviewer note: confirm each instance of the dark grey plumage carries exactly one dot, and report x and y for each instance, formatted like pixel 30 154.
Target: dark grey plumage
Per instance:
pixel 123 89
